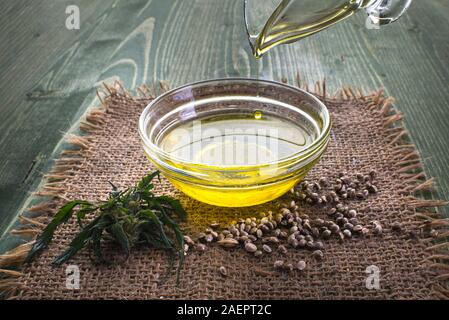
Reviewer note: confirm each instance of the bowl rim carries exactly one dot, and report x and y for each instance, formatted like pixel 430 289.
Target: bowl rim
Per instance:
pixel 325 132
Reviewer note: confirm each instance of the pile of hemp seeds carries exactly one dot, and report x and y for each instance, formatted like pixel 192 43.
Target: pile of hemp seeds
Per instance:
pixel 290 229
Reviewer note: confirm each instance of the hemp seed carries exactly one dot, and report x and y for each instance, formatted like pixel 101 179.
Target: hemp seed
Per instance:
pixel 209 238
pixel 326 234
pixel 334 228
pixel 189 240
pixel 223 271
pixel 282 249
pixel 228 243
pixel 372 189
pixel 289 267
pixel 318 245
pixel 302 243
pixel 352 213
pixel 365 231
pixel 201 236
pixel 267 248
pixel 270 240
pixel 258 253
pixel 377 227
pixel 318 254
pixel 301 265
pixel 250 247
pixel 252 238
pixel 332 211
pixel 323 181
pixel 396 226
pixel 278 264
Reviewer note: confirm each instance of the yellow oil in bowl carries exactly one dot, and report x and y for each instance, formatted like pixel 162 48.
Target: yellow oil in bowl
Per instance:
pixel 233 148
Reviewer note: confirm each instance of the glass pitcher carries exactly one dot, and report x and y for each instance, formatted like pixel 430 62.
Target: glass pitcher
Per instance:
pixel 273 22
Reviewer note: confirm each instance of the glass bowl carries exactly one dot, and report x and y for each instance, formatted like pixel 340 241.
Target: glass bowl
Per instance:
pixel 235 142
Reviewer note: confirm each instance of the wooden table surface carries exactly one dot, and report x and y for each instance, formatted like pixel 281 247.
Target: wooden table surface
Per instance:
pixel 49 74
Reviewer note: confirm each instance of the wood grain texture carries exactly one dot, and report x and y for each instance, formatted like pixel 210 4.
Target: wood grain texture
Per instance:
pixel 48 74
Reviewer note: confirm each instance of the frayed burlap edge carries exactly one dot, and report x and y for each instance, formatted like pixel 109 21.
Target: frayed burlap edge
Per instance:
pixel 409 168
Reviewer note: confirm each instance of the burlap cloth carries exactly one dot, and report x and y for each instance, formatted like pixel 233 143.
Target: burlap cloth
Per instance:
pixel 367 134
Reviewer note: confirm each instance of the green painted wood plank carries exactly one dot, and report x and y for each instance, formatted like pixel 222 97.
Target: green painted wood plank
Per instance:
pixel 48 74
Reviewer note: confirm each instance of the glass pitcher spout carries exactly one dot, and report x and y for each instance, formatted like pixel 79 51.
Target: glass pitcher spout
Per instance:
pixel 383 12
pixel 273 22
